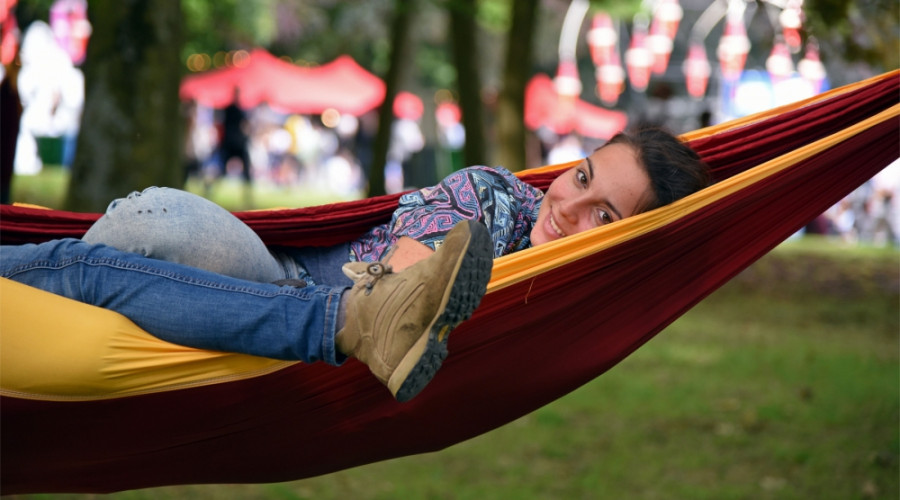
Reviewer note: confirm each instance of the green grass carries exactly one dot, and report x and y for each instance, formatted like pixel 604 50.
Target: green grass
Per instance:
pixel 231 194
pixel 784 384
pixel 48 189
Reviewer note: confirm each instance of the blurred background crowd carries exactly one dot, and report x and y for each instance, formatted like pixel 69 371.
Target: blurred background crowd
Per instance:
pixel 287 95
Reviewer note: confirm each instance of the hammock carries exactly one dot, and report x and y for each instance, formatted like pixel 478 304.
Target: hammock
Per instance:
pixel 97 405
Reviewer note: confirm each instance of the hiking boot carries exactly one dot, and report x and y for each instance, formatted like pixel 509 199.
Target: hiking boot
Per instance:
pixel 398 323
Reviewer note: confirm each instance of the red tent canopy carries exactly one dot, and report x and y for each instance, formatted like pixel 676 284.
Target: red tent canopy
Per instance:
pixel 544 108
pixel 341 84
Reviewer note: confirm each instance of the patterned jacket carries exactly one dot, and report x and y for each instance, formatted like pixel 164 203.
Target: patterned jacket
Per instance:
pixel 493 196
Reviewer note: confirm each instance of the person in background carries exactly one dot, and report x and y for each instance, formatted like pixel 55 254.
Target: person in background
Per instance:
pixel 234 141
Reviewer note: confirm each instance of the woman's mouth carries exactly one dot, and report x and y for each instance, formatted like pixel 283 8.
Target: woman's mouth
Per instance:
pixel 555 227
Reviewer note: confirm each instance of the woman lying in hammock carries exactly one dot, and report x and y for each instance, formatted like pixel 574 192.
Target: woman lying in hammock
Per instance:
pixel 189 272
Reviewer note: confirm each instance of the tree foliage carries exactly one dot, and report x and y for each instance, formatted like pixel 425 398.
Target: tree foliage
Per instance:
pixel 856 32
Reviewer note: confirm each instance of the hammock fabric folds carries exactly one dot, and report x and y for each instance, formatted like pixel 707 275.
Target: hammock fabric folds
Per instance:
pixel 555 317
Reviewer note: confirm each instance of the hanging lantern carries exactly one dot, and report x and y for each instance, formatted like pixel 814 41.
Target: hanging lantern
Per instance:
pixel 696 70
pixel 602 39
pixel 668 14
pixel 611 80
pixel 660 46
pixel 610 76
pixel 9 36
pixel 734 44
pixel 567 82
pixel 638 58
pixel 791 20
pixel 568 88
pixel 779 63
pixel 811 68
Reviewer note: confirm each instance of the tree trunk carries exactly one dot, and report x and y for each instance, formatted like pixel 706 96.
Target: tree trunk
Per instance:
pixel 400 50
pixel 511 101
pixel 131 128
pixel 464 35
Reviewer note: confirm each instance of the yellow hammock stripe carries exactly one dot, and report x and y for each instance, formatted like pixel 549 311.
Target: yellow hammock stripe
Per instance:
pixel 58 349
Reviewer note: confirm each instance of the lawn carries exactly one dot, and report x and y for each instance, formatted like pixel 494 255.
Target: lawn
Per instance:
pixel 48 189
pixel 784 384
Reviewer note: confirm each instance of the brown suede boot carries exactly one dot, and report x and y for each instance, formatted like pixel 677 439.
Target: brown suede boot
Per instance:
pixel 398 323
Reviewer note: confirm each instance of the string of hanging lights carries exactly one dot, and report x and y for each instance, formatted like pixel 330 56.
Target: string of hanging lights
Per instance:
pixel 652 39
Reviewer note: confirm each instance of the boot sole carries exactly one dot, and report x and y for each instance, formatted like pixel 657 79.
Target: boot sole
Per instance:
pixel 461 297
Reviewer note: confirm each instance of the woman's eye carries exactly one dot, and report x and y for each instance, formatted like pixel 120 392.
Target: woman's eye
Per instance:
pixel 581 177
pixel 604 217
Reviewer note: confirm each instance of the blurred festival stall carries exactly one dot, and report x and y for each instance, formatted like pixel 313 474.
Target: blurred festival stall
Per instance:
pixel 309 125
pixel 262 78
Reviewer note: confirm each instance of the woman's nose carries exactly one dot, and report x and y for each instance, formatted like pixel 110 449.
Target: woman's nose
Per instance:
pixel 568 211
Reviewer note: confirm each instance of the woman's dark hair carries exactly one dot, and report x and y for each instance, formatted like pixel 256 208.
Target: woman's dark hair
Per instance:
pixel 675 170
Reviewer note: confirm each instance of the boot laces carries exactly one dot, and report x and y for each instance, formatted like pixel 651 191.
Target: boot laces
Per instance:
pixel 368 274
pixel 374 272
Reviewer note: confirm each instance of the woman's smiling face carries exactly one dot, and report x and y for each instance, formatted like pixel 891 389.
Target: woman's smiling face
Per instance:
pixel 607 186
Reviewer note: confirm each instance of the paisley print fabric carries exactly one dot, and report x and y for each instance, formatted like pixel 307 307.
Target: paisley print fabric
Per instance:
pixel 493 196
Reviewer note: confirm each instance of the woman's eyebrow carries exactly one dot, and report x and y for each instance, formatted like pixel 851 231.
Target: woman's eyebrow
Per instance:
pixel 612 207
pixel 614 210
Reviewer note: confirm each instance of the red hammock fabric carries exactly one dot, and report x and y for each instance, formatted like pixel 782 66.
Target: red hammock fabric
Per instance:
pixel 527 345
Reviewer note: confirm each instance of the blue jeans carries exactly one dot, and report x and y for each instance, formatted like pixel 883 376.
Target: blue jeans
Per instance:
pixel 181 303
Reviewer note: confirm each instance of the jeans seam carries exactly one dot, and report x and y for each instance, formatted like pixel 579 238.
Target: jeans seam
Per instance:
pixel 330 358
pixel 124 265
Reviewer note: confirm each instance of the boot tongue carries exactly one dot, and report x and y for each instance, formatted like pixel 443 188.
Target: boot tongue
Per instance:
pixel 356 271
